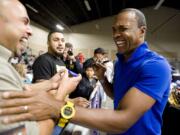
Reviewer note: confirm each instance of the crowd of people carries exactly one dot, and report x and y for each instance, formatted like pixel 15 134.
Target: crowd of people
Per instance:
pixel 138 81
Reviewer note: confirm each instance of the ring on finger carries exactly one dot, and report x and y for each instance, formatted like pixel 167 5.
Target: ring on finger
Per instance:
pixel 25 108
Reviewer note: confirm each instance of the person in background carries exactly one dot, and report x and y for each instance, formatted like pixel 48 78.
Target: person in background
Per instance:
pixel 98 56
pixel 140 87
pixel 49 63
pixel 80 56
pixel 92 90
pixel 14 60
pixel 87 84
pixel 22 70
pixel 70 61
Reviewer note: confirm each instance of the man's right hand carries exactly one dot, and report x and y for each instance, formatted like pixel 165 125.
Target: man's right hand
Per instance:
pixel 99 70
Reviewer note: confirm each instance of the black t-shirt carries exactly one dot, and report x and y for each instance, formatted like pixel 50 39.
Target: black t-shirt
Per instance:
pixel 45 66
pixel 84 88
pixel 74 66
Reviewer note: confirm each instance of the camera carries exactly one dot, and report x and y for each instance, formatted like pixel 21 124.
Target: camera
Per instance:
pixel 70 53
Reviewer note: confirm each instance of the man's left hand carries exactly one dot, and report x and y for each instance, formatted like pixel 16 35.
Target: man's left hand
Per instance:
pixel 28 106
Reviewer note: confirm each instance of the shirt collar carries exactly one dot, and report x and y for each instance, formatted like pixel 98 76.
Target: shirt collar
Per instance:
pixel 5 53
pixel 55 56
pixel 138 52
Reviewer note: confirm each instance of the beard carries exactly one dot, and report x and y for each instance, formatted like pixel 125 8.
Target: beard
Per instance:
pixel 56 52
pixel 59 54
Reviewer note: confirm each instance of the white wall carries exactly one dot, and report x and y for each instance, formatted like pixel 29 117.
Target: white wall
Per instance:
pixel 38 41
pixel 163 34
pixel 164 30
pixel 90 35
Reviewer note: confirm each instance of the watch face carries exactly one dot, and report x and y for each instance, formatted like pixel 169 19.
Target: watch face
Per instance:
pixel 68 111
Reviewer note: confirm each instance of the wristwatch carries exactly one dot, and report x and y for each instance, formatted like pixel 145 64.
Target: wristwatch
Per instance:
pixel 67 112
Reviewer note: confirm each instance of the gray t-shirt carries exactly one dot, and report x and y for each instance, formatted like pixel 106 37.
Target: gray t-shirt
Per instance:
pixel 10 80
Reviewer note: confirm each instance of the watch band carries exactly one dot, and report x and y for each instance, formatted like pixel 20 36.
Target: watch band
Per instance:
pixel 62 122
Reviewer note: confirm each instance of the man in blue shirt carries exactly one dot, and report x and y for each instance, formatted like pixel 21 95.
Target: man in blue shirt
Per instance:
pixel 142 77
pixel 140 87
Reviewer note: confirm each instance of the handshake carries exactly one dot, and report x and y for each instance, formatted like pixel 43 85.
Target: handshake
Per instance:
pixel 31 103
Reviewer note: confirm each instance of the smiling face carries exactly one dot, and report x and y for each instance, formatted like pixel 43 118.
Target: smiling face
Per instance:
pixel 56 43
pixel 14 26
pixel 127 34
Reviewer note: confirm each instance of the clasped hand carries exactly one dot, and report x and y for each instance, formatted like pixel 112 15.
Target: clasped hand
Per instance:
pixel 37 103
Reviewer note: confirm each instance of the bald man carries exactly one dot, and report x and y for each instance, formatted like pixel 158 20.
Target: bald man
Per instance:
pixel 15 31
pixel 14 34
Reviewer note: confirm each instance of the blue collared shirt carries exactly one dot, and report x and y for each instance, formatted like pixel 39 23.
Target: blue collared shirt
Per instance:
pixel 151 74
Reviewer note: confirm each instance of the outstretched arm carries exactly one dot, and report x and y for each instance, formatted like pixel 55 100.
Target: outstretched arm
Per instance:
pixel 36 104
pixel 131 108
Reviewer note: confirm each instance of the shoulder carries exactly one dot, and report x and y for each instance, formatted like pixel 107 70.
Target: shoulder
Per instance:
pixel 44 59
pixel 7 69
pixel 156 64
pixel 154 77
pixel 156 71
pixel 9 78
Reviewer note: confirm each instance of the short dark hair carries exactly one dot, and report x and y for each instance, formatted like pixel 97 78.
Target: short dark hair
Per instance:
pixel 141 20
pixel 99 50
pixel 88 64
pixel 68 45
pixel 51 32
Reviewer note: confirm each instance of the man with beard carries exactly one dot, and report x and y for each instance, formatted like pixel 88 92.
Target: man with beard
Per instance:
pixel 48 64
pixel 140 87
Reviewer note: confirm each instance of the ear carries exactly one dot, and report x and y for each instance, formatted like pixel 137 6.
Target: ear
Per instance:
pixel 142 31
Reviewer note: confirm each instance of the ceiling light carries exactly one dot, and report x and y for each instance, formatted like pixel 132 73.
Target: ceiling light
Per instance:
pixel 87 5
pixel 32 8
pixel 158 4
pixel 59 27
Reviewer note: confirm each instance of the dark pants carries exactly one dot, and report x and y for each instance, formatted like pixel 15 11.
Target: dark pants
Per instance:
pixel 171 121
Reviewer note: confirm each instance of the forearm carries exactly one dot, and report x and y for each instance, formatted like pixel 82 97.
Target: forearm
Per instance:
pixel 108 88
pixel 102 119
pixel 46 127
pixel 44 85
